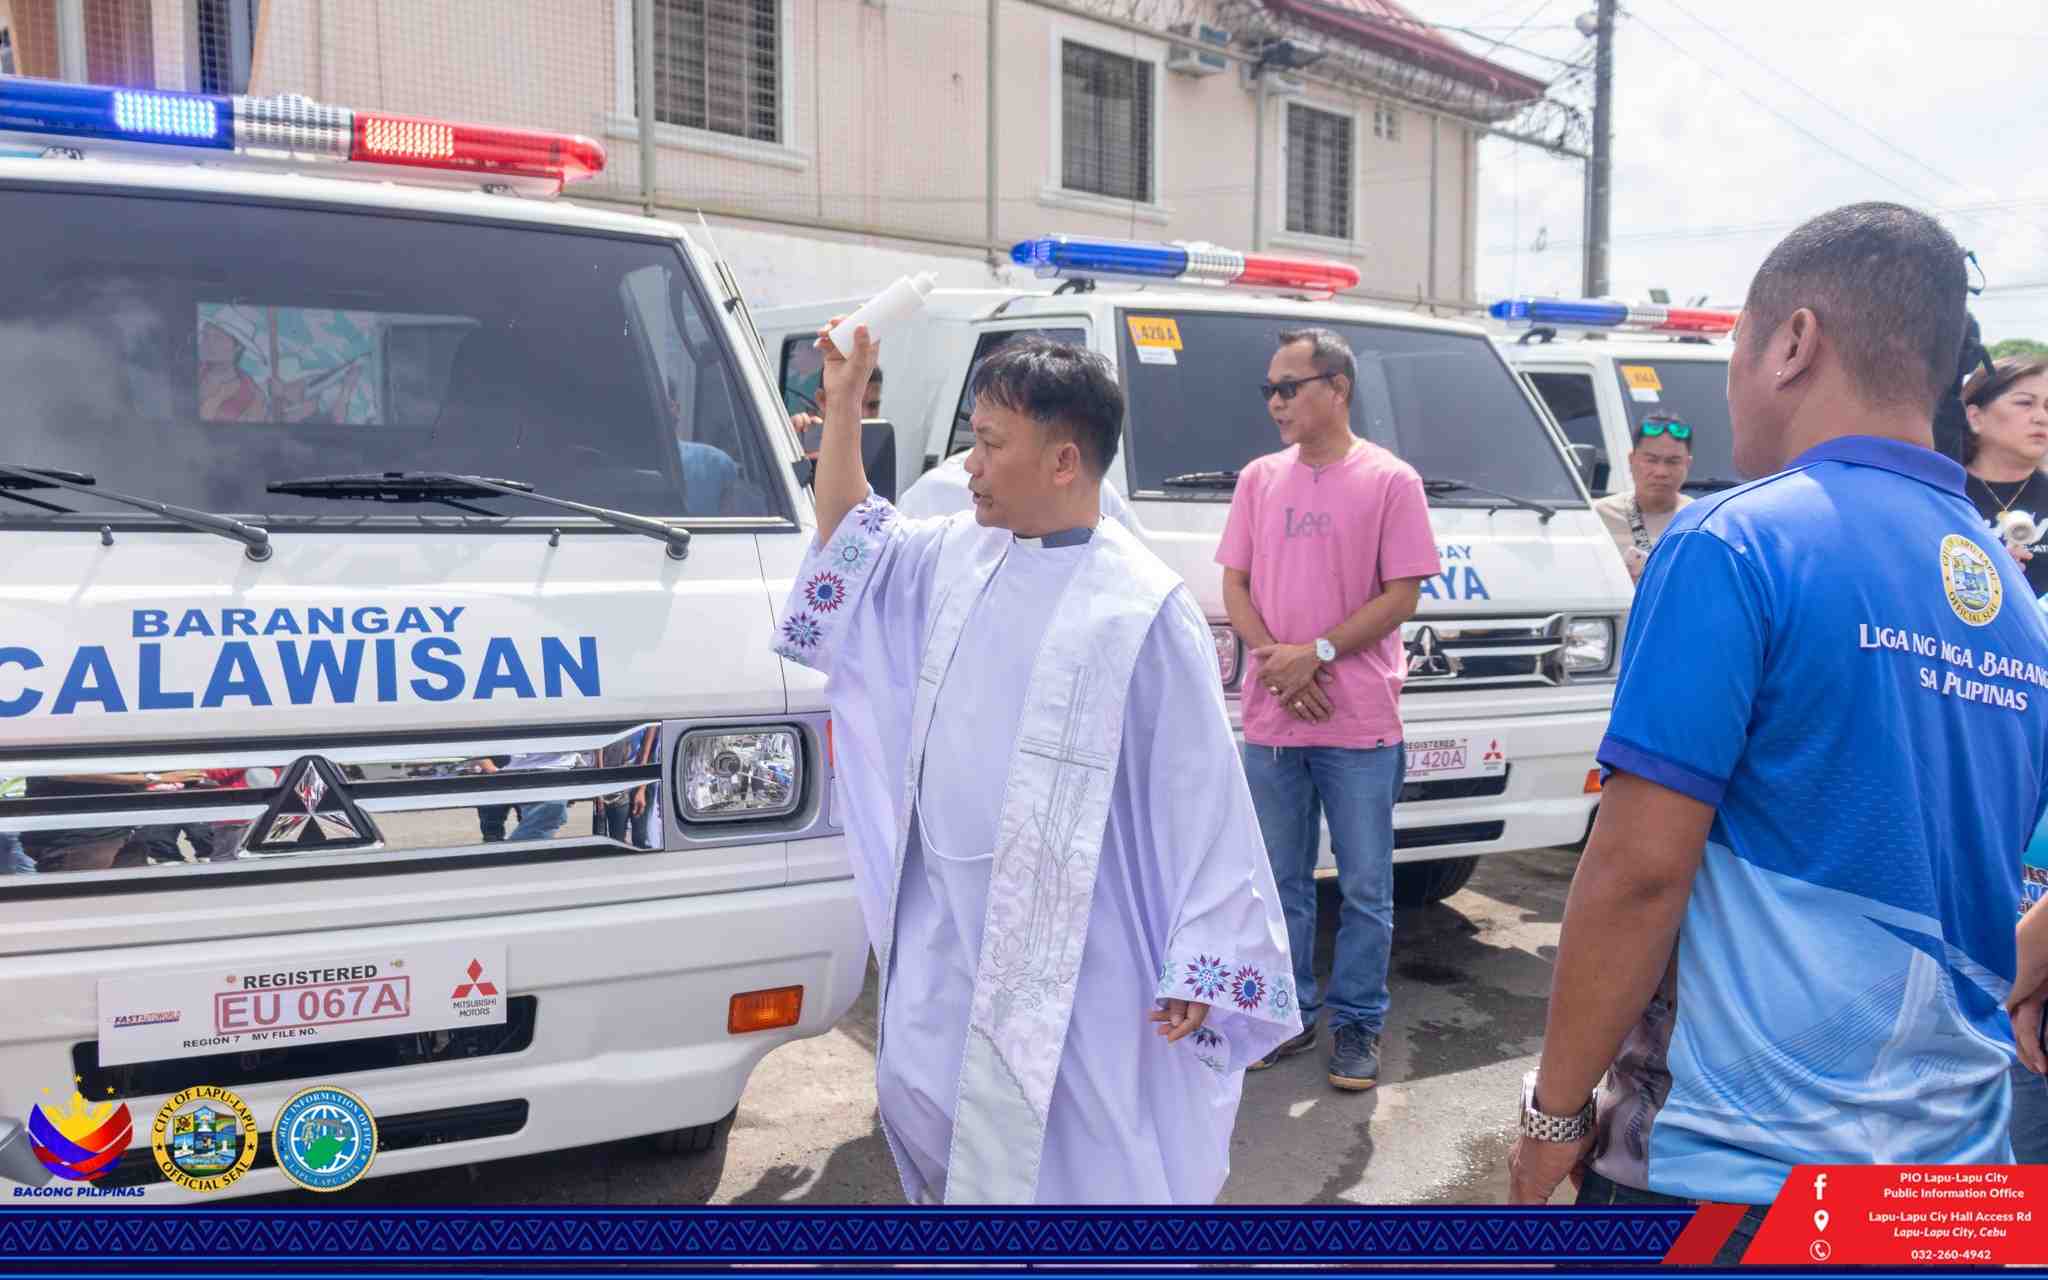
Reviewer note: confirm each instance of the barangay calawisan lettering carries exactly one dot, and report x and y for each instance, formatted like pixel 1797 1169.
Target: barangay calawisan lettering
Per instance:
pixel 296 657
pixel 1953 660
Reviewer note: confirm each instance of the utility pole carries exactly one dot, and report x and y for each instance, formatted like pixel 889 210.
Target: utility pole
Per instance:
pixel 1600 174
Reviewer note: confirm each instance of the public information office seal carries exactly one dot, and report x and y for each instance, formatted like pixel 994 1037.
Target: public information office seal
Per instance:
pixel 324 1138
pixel 204 1138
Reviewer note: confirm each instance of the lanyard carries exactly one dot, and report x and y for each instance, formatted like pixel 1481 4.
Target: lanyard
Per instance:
pixel 1644 542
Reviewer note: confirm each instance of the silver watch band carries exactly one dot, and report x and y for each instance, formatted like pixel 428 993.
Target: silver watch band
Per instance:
pixel 1544 1127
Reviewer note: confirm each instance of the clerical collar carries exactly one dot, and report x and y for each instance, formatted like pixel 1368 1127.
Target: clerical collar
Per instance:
pixel 1061 538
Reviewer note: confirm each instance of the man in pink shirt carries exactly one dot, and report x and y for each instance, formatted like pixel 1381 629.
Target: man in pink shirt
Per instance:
pixel 1323 560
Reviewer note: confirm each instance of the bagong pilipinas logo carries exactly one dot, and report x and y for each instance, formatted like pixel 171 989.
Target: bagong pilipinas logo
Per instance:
pixel 80 1141
pixel 204 1138
pixel 1970 580
pixel 324 1138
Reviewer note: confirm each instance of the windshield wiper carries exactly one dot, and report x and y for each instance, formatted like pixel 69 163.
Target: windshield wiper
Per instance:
pixel 1202 480
pixel 434 486
pixel 256 541
pixel 1711 484
pixel 1448 485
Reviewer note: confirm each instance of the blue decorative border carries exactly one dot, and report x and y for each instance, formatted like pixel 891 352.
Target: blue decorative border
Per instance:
pixel 322 1238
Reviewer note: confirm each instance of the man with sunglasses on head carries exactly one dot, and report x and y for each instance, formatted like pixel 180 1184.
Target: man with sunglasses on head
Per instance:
pixel 1659 458
pixel 1323 559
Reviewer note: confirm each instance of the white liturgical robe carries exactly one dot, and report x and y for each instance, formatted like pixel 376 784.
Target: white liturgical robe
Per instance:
pixel 1050 830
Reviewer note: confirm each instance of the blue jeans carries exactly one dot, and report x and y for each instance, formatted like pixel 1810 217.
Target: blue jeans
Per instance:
pixel 2029 1117
pixel 540 821
pixel 13 860
pixel 1356 788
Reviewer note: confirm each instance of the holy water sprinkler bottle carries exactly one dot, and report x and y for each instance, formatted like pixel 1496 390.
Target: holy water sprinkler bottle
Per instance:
pixel 890 307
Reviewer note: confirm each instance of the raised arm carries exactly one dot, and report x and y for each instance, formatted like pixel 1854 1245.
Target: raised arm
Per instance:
pixel 841 482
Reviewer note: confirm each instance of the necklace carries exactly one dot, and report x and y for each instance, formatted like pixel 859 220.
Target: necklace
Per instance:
pixel 2006 505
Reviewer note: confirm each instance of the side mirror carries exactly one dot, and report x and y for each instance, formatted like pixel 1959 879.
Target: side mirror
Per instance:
pixel 878 455
pixel 18 1162
pixel 1591 463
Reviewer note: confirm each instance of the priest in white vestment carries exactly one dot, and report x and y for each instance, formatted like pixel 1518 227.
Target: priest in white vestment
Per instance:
pixel 1075 922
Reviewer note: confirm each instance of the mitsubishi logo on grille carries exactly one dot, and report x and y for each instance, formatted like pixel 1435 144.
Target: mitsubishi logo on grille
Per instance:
pixel 312 813
pixel 1425 658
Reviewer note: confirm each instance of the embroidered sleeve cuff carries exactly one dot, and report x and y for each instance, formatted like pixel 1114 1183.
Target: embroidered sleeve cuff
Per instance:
pixel 1619 755
pixel 830 584
pixel 1231 989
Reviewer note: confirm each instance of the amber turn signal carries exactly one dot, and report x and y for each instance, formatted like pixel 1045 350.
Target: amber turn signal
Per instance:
pixel 1592 782
pixel 765 1010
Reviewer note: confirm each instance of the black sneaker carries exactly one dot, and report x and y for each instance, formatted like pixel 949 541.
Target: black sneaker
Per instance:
pixel 1287 1049
pixel 1355 1064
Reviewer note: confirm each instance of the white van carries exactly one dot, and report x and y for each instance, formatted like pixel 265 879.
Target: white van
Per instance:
pixel 1603 367
pixel 378 528
pixel 1512 656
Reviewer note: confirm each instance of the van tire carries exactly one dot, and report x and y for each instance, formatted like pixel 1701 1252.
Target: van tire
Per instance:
pixel 694 1140
pixel 1417 884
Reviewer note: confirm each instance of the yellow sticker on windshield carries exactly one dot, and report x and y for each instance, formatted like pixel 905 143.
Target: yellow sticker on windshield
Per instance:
pixel 1155 331
pixel 1640 377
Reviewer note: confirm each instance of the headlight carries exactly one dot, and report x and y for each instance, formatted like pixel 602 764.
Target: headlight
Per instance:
pixel 1228 653
pixel 1589 644
pixel 729 775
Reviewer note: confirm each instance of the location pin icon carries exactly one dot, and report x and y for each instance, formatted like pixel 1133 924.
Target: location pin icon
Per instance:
pixel 1820 1219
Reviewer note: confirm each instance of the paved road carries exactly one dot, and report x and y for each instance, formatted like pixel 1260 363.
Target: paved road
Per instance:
pixel 1471 977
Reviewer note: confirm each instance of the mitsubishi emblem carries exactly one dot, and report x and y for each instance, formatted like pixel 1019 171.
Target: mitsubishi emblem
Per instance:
pixel 1424 657
pixel 312 813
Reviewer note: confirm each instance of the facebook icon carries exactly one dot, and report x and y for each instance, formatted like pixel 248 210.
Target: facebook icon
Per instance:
pixel 1820 1184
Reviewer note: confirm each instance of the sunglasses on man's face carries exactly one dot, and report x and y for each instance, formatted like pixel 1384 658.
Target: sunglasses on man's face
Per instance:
pixel 1676 430
pixel 1288 388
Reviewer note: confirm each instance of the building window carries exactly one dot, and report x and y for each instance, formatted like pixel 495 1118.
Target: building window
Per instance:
pixel 718 66
pixel 227 38
pixel 1318 172
pixel 1105 123
pixel 1386 122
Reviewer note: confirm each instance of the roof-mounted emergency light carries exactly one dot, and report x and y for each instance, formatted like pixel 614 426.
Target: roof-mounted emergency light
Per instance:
pixel 1085 256
pixel 294 128
pixel 1603 313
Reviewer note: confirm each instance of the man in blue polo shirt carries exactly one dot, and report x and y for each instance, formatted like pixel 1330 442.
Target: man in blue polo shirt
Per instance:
pixel 1826 755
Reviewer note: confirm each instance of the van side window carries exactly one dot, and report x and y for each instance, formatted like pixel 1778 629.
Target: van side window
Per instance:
pixel 963 430
pixel 1571 402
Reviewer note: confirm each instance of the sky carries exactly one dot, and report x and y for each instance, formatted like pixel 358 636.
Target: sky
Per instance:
pixel 1737 119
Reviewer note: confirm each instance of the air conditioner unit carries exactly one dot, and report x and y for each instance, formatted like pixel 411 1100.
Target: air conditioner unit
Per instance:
pixel 1198 62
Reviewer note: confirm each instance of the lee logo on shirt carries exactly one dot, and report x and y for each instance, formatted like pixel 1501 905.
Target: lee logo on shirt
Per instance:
pixel 1970 580
pixel 1309 524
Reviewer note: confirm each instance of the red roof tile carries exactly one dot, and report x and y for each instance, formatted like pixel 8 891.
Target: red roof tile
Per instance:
pixel 1385 26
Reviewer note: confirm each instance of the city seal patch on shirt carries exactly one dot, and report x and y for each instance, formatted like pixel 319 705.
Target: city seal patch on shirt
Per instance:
pixel 1970 580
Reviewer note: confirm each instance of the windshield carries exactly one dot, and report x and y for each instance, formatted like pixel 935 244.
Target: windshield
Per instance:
pixel 194 352
pixel 1443 402
pixel 1694 392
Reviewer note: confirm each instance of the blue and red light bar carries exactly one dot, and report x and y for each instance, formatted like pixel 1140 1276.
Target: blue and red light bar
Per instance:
pixel 1086 256
pixel 1604 313
pixel 291 128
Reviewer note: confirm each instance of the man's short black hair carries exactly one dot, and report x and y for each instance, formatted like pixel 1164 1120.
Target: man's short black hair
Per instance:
pixel 1888 284
pixel 1065 388
pixel 1328 352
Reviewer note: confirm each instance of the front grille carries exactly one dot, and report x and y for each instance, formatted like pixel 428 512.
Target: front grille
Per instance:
pixel 1455 833
pixel 138 1167
pixel 304 1062
pixel 1456 788
pixel 1466 653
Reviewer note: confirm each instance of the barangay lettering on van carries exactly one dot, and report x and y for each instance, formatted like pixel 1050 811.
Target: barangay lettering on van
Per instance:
pixel 1457 581
pixel 1958 658
pixel 283 656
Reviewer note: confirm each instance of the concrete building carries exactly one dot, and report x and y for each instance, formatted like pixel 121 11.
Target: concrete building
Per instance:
pixel 833 143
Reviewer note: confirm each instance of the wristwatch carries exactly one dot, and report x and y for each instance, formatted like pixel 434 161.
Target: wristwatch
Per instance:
pixel 1325 651
pixel 1544 1127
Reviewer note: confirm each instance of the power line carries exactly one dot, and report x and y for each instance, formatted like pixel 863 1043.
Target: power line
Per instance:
pixel 1817 100
pixel 1780 116
pixel 1736 230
